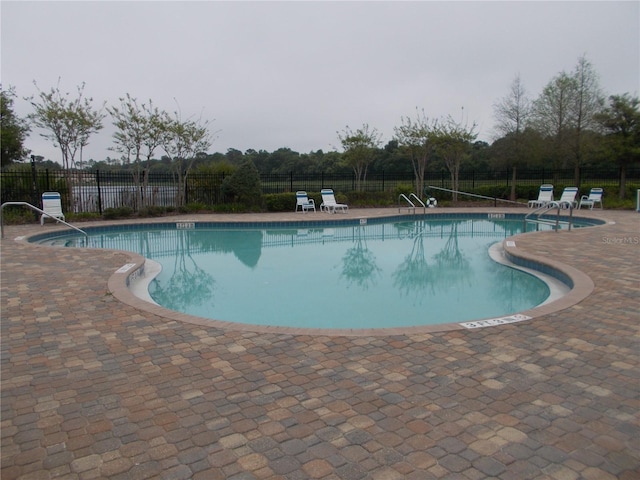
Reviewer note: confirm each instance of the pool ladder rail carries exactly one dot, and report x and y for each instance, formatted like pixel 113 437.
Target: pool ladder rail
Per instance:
pixel 42 212
pixel 534 217
pixel 412 206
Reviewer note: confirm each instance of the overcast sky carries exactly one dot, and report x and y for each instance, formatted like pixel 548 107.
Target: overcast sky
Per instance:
pixel 292 74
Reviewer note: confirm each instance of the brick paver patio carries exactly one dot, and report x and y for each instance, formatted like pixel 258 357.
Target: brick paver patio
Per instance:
pixel 96 388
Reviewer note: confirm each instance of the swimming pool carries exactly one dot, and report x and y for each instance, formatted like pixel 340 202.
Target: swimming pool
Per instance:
pixel 375 273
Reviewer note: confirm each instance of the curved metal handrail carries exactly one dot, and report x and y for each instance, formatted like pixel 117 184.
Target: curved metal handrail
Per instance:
pixel 545 208
pixel 37 210
pixel 403 196
pixel 424 207
pixel 413 205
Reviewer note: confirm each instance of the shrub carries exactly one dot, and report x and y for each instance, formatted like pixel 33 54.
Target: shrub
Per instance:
pixel 403 189
pixel 118 212
pixel 18 215
pixel 244 185
pixel 193 207
pixel 280 202
pixel 82 216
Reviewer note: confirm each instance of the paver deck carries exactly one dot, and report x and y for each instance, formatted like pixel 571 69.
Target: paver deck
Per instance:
pixel 96 388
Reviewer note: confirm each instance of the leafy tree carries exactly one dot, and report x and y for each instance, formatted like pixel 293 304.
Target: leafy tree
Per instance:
pixel 621 124
pixel 284 160
pixel 359 148
pixel 139 131
pixel 181 141
pixel 453 142
pixel 511 114
pixel 69 123
pixel 14 130
pixel 416 137
pixel 244 185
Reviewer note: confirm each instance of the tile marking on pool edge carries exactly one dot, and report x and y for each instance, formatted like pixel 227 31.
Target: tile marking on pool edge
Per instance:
pixel 125 268
pixel 491 322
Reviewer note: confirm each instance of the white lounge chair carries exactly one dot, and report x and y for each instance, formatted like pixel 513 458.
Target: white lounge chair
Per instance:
pixel 545 195
pixel 329 203
pixel 595 196
pixel 52 206
pixel 568 198
pixel 304 203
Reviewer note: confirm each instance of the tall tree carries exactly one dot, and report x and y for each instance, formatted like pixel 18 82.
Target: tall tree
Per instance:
pixel 181 141
pixel 14 130
pixel 68 122
pixel 359 148
pixel 620 121
pixel 453 142
pixel 139 130
pixel 511 114
pixel 588 102
pixel 415 136
pixel 552 116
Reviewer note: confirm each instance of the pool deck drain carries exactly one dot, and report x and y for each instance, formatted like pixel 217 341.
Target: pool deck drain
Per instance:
pixel 96 388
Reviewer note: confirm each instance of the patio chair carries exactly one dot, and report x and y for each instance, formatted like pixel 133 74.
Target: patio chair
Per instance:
pixel 52 206
pixel 545 195
pixel 595 196
pixel 329 203
pixel 568 198
pixel 304 203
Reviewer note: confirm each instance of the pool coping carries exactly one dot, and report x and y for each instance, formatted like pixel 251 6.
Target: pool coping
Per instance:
pixel 581 284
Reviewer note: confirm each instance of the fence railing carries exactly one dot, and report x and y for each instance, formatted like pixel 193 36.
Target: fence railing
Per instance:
pixel 96 191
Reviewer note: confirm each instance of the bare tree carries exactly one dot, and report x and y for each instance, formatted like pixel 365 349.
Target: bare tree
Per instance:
pixel 512 113
pixel 565 112
pixel 588 102
pixel 416 137
pixel 552 116
pixel 359 149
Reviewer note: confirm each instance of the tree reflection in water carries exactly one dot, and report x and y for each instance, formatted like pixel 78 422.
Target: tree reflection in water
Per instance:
pixel 189 284
pixel 359 266
pixel 451 267
pixel 413 274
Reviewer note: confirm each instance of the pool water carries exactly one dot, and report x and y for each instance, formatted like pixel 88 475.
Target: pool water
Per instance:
pixel 380 275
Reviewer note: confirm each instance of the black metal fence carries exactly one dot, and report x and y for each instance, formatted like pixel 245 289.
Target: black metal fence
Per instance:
pixel 97 191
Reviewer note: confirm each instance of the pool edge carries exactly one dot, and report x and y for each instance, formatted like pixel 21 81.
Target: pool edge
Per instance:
pixel 582 287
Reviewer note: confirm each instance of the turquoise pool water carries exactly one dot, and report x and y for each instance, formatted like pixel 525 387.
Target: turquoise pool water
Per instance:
pixel 372 275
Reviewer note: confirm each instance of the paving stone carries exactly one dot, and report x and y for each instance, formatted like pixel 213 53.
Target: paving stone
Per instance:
pixel 93 387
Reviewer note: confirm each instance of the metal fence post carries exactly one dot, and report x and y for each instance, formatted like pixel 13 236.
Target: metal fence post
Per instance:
pixel 99 192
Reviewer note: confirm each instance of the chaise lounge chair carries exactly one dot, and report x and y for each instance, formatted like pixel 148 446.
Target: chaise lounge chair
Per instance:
pixel 545 195
pixel 329 203
pixel 52 206
pixel 304 203
pixel 595 196
pixel 568 198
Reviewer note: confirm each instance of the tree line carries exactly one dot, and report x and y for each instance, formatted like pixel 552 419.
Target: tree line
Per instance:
pixel 571 123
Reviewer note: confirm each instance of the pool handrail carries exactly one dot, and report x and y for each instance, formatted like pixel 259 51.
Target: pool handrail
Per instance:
pixel 42 212
pixel 408 199
pixel 557 205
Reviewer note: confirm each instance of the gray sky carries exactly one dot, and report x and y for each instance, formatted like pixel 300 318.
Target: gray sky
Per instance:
pixel 292 74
